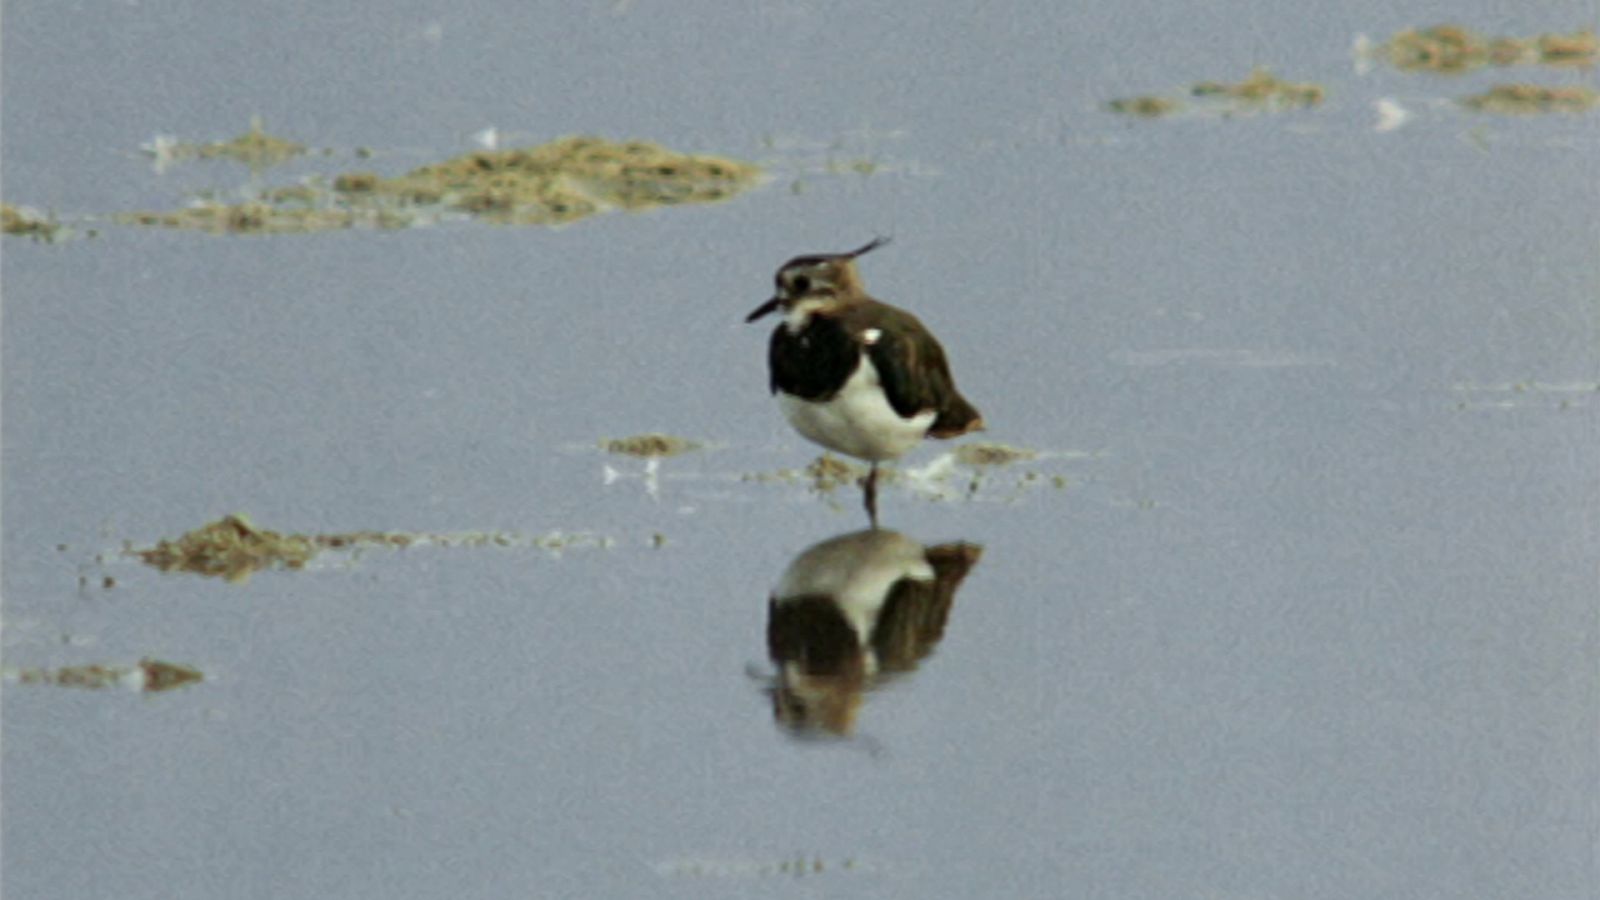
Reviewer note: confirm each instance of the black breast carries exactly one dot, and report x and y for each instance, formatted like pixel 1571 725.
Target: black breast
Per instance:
pixel 815 362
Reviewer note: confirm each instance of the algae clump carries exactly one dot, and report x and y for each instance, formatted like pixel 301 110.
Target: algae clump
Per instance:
pixel 231 548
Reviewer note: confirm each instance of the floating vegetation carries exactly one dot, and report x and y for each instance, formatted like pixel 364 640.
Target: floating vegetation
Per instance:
pixel 1578 49
pixel 564 180
pixel 1525 394
pixel 797 866
pixel 648 446
pixel 1148 106
pixel 28 222
pixel 828 472
pixel 164 676
pixel 151 676
pixel 992 454
pixel 261 218
pixel 231 548
pixel 825 474
pixel 1533 99
pixel 1260 92
pixel 865 152
pixel 960 474
pixel 944 480
pixel 234 548
pixel 550 184
pixel 1452 48
pixel 255 148
pixel 861 166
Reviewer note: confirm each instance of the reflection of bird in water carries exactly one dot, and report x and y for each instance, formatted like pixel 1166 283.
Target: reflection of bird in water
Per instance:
pixel 850 612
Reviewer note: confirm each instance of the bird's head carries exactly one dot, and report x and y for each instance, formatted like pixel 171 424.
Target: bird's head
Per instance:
pixel 806 284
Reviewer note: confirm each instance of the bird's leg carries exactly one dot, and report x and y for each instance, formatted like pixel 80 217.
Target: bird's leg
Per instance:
pixel 870 489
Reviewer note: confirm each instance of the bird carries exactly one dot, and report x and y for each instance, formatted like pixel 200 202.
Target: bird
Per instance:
pixel 854 374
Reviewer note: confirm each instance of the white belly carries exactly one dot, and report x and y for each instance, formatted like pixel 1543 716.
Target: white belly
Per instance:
pixel 858 421
pixel 856 572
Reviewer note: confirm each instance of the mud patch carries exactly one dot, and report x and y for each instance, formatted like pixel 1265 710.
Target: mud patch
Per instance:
pixel 978 471
pixel 255 148
pixel 826 474
pixel 231 548
pixel 650 446
pixel 1260 92
pixel 562 181
pixel 1532 100
pixel 864 152
pixel 1148 106
pixel 264 218
pixel 24 221
pixel 1525 395
pixel 151 676
pixel 549 184
pixel 797 866
pixel 992 454
pixel 991 472
pixel 1450 49
pixel 234 548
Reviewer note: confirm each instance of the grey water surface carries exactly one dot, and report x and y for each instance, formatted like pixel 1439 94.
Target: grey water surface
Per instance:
pixel 1297 599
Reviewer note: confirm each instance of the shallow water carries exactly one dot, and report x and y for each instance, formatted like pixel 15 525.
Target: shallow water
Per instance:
pixel 1297 598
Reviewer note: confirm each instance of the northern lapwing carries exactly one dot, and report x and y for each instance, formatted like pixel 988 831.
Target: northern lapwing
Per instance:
pixel 855 375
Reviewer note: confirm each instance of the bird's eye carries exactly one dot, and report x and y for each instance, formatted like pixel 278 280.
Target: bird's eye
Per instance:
pixel 801 283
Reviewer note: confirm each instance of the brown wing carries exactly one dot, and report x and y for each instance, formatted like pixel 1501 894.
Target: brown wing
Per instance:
pixel 912 366
pixel 914 615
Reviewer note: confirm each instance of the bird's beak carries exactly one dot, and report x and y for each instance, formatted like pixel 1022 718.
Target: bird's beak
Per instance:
pixel 763 309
